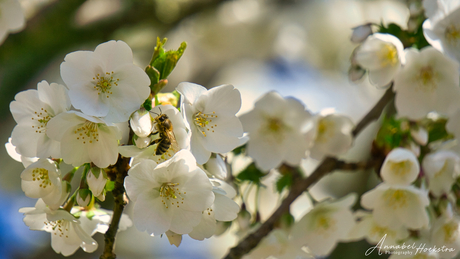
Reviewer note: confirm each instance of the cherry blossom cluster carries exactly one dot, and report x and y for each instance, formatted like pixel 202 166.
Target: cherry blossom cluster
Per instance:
pixel 181 147
pixel 175 182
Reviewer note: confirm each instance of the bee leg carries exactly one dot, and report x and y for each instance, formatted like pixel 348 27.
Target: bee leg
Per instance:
pixel 155 141
pixel 154 133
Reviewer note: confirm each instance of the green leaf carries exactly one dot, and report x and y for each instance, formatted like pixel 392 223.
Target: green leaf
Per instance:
pixel 252 174
pixel 284 181
pixel 414 38
pixel 147 104
pixel 110 185
pixel 165 61
pixel 239 150
pixel 391 134
pixel 437 129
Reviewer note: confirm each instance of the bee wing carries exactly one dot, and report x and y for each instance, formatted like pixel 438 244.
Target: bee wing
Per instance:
pixel 174 146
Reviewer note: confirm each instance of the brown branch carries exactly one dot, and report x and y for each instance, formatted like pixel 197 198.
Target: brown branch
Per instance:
pixel 121 171
pixel 328 165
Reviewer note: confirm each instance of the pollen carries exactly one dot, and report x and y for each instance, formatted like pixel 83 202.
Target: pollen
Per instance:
pixel 60 227
pixel 88 129
pixel 41 176
pixel 450 232
pixel 400 168
pixel 41 119
pixel 452 34
pixel 171 195
pixel 204 122
pixel 388 55
pixel 104 83
pixel 396 199
pixel 325 225
pixel 426 79
pixel 325 130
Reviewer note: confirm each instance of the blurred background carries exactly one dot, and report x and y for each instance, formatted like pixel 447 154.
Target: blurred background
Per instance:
pixel 298 48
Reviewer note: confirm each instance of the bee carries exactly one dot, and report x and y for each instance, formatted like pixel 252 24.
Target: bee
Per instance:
pixel 166 138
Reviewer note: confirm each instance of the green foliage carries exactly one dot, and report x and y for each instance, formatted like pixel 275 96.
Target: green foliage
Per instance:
pixel 147 104
pixel 414 39
pixel 251 174
pixel 239 150
pixel 284 181
pixel 109 186
pixel 162 64
pixel 436 129
pixel 165 61
pixel 391 134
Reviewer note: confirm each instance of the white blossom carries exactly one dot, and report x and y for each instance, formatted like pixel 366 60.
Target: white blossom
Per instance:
pixel 442 28
pixel 98 220
pixel 85 139
pixel 66 233
pixel 441 168
pixel 216 167
pixel 428 82
pixel 333 135
pixel 223 209
pixel 211 118
pixel 397 205
pixel 168 196
pixel 105 83
pixel 32 110
pixel 382 55
pixel 42 180
pixel 280 130
pixel 278 244
pixel 142 151
pixel 325 225
pixel 11 19
pixel 400 167
pixel 373 232
pixel 11 150
pixel 446 232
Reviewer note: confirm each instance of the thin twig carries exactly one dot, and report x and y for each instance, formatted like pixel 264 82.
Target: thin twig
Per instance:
pixel 328 165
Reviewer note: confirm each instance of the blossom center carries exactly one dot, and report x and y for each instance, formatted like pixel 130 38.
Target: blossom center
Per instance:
pixel 400 168
pixel 396 198
pixel 87 133
pixel 388 55
pixel 171 195
pixel 324 130
pixel 41 117
pixel 103 84
pixel 325 225
pixel 379 231
pixel 427 79
pixel 452 34
pixel 41 175
pixel 59 227
pixel 203 122
pixel 450 232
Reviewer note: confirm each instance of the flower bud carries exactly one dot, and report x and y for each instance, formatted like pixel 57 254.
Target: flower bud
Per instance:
pixel 96 179
pixel 142 142
pixel 216 167
pixel 360 33
pixel 141 123
pixel 83 197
